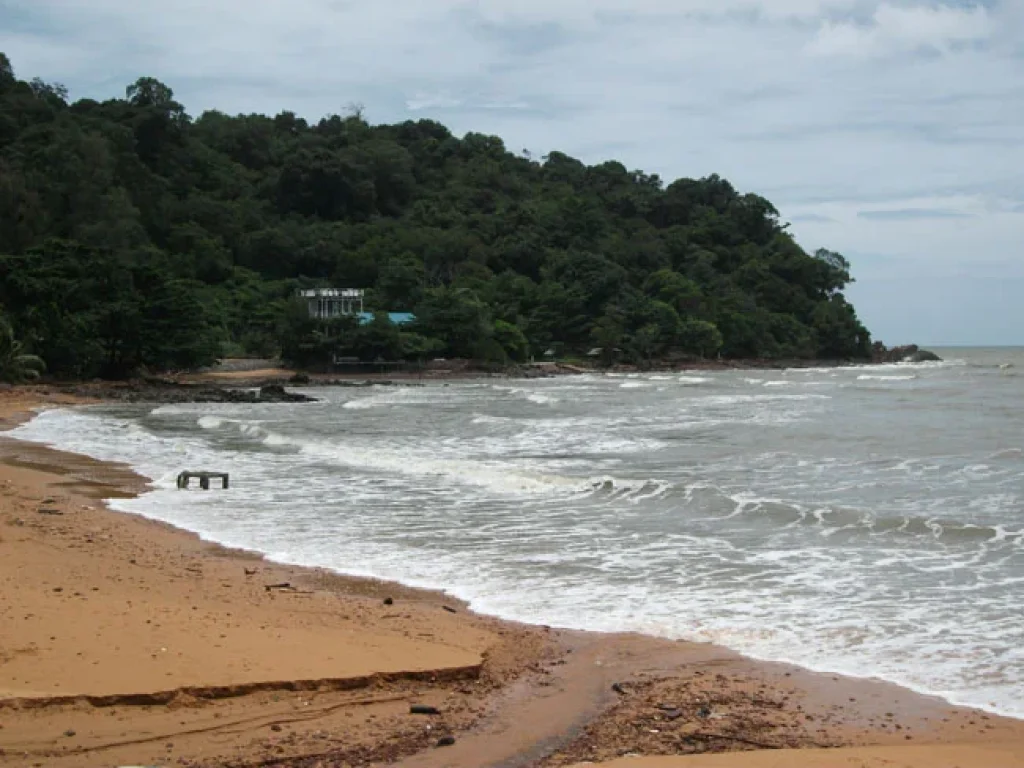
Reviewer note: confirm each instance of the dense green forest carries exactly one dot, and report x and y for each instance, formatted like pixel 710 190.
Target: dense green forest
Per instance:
pixel 135 237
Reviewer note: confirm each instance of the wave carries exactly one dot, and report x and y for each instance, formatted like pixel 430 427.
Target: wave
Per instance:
pixel 540 399
pixel 875 377
pixel 498 476
pixel 787 513
pixel 693 380
pixel 1009 453
pixel 483 418
pixel 740 399
pixel 923 366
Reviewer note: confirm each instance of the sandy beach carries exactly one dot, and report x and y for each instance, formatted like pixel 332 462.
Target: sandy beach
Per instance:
pixel 128 642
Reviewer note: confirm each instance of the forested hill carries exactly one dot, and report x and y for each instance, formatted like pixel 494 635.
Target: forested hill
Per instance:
pixel 133 235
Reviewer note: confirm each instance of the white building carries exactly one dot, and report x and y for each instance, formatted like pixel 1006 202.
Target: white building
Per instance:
pixel 328 303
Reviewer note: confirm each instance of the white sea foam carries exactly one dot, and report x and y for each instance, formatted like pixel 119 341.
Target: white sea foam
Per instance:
pixel 876 377
pixel 541 399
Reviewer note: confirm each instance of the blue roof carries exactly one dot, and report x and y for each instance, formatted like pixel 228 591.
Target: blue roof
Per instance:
pixel 398 318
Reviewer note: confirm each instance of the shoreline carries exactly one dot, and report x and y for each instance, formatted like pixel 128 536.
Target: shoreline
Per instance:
pixel 762 703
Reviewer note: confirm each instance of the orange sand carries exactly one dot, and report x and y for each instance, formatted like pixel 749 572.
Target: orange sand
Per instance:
pixel 943 756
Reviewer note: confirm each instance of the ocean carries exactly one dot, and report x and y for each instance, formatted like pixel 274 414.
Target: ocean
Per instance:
pixel 867 521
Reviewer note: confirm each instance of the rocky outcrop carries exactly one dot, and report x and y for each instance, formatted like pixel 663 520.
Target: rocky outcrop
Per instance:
pixel 276 393
pixel 909 353
pixel 167 392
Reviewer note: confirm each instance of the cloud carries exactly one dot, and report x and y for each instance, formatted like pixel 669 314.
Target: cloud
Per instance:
pixel 815 218
pixel 895 28
pixel 830 108
pixel 907 214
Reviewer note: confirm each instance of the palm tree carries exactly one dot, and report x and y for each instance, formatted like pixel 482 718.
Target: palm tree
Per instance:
pixel 15 366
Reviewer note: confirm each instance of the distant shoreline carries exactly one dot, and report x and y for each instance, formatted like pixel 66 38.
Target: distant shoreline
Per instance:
pixel 211 386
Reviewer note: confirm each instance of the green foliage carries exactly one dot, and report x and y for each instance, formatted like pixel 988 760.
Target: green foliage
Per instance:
pixel 457 317
pixel 512 341
pixel 16 367
pixel 88 312
pixel 132 235
pixel 699 337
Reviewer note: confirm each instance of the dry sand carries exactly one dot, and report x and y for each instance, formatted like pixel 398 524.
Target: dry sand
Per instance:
pixel 126 642
pixel 942 756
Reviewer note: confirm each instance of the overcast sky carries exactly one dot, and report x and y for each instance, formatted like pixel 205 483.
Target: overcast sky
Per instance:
pixel 892 131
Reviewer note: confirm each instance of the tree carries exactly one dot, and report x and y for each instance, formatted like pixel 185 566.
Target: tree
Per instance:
pixel 676 290
pixel 150 92
pixel 700 337
pixel 379 339
pixel 456 317
pixel 835 272
pixel 7 78
pixel 840 334
pixel 16 366
pixel 512 340
pixel 400 282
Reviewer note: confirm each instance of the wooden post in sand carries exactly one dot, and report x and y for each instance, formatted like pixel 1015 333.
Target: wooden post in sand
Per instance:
pixel 204 479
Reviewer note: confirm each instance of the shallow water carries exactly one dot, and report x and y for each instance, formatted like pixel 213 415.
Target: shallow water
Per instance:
pixel 867 521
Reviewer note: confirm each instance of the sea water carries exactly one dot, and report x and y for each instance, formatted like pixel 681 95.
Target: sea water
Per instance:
pixel 865 520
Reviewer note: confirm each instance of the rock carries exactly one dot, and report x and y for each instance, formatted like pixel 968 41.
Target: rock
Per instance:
pixel 276 393
pixel 300 379
pixel 617 687
pixel 909 353
pixel 389 601
pixel 704 712
pixel 673 714
pixel 449 609
pixel 69 733
pixel 275 727
pixel 446 741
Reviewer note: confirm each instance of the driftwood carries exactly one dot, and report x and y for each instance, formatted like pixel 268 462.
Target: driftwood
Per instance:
pixel 423 709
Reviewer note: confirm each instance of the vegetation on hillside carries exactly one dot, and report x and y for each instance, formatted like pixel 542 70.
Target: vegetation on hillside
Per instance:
pixel 134 236
pixel 16 367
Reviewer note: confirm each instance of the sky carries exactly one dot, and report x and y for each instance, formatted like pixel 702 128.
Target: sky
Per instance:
pixel 891 131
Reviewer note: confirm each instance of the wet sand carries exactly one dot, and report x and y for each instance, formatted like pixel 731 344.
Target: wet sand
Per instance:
pixel 124 642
